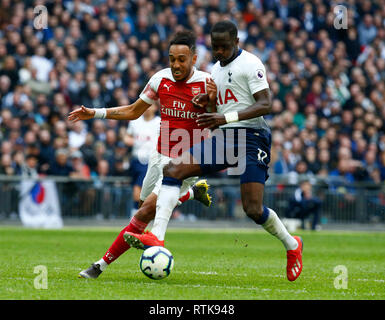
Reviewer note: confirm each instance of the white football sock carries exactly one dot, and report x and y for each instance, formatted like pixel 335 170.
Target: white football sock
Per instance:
pixel 167 201
pixel 103 265
pixel 190 192
pixel 274 226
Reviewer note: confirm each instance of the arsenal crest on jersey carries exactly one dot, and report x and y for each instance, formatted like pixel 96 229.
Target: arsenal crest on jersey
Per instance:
pixel 195 90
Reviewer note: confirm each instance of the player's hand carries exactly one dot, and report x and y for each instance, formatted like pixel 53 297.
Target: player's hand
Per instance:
pixel 211 88
pixel 203 99
pixel 210 120
pixel 81 113
pixel 200 100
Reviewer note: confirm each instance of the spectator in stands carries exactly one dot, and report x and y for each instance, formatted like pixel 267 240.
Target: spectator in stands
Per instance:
pixel 367 30
pixel 285 162
pixel 305 205
pixel 47 151
pixel 80 169
pixel 9 69
pixel 77 135
pixel 61 167
pixel 30 167
pixel 6 167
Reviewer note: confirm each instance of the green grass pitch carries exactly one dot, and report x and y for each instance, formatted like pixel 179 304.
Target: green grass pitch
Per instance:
pixel 235 264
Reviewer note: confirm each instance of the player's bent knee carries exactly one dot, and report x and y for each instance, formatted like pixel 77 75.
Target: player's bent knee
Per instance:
pixel 168 170
pixel 253 211
pixel 173 171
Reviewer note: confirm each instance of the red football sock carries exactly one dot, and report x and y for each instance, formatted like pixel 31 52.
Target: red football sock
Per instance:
pixel 119 246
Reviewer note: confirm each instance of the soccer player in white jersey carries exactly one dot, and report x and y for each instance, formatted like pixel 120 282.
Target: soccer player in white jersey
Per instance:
pixel 142 135
pixel 243 98
pixel 174 88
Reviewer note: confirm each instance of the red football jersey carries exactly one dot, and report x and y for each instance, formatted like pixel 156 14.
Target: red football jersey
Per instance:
pixel 178 125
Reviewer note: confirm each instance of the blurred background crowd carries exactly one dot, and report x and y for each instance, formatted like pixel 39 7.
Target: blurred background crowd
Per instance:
pixel 328 83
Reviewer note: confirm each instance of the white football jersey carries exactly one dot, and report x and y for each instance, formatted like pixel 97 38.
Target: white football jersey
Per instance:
pixel 145 134
pixel 236 83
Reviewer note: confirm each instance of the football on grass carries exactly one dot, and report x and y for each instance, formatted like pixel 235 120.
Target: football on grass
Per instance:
pixel 156 262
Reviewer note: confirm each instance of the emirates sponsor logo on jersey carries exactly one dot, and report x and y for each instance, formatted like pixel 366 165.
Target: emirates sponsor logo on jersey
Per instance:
pixel 178 111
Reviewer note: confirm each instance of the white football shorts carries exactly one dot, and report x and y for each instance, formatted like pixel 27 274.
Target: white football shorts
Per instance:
pixel 154 176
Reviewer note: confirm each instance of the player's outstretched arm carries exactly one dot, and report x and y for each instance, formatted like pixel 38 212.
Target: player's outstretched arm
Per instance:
pixel 130 112
pixel 81 113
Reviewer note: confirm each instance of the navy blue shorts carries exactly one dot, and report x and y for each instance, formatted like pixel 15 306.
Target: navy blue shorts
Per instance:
pixel 137 171
pixel 245 152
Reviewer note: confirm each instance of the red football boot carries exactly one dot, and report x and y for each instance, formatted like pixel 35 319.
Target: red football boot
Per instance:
pixel 294 261
pixel 142 241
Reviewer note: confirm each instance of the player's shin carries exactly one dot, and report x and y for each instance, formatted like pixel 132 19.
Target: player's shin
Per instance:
pixel 119 246
pixel 166 202
pixel 272 224
pixel 135 208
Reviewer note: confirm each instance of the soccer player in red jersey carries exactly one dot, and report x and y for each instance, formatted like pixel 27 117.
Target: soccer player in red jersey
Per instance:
pixel 174 87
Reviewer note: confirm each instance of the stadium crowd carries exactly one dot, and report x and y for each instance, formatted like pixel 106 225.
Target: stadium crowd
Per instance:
pixel 327 83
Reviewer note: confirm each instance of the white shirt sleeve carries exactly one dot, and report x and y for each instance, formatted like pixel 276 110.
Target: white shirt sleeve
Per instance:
pixel 256 77
pixel 150 92
pixel 130 128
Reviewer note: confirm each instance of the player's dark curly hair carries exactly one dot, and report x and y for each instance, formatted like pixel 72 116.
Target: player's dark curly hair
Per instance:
pixel 225 26
pixel 186 37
